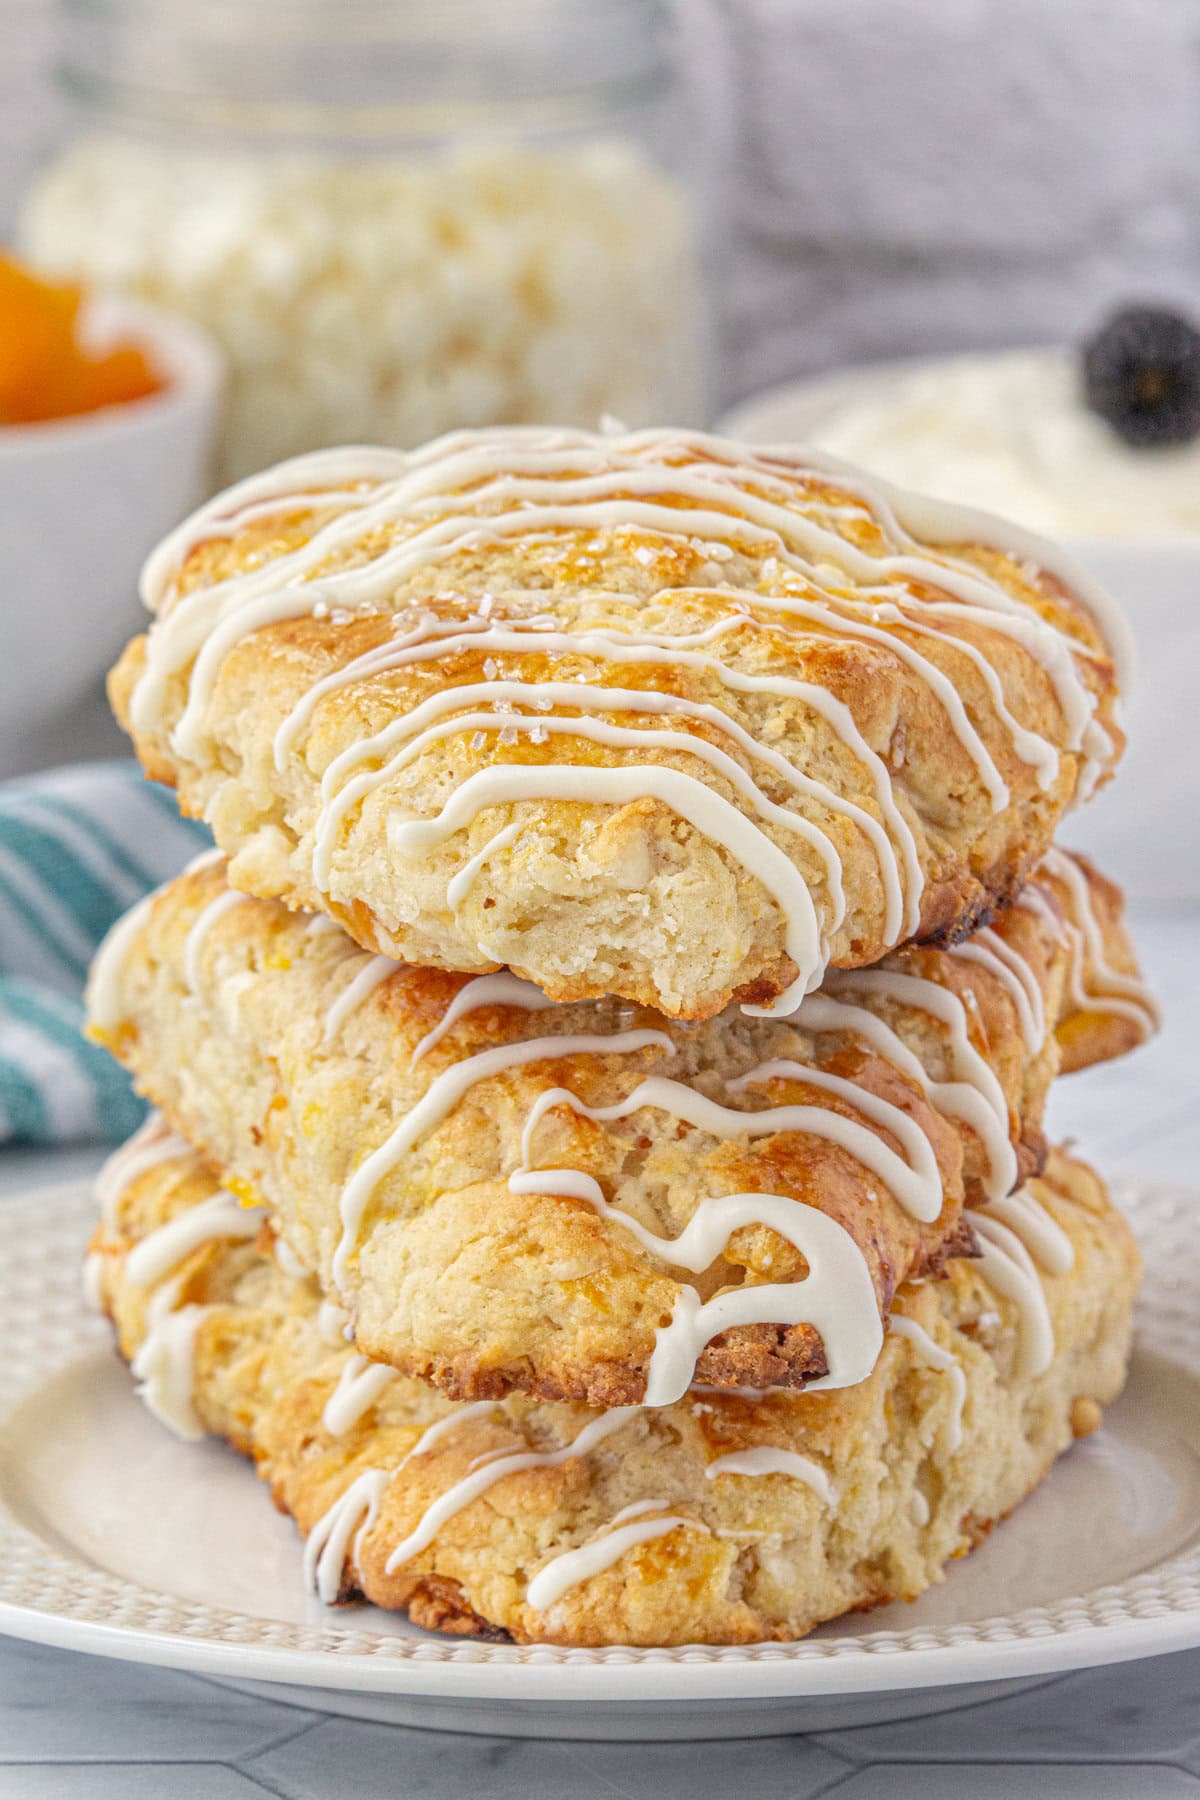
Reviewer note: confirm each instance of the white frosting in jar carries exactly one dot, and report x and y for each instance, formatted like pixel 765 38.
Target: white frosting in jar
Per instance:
pixel 1010 432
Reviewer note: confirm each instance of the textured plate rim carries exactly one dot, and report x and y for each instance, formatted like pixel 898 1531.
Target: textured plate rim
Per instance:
pixel 44 1600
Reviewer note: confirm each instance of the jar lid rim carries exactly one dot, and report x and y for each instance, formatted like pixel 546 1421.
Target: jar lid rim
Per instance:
pixel 402 69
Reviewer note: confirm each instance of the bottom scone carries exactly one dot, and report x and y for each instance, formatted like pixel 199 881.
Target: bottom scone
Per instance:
pixel 724 1518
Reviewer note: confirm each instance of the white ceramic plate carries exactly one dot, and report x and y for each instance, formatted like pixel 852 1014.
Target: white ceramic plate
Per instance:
pixel 118 1539
pixel 82 502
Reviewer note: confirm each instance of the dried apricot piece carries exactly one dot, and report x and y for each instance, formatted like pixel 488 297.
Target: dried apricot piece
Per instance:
pixel 45 371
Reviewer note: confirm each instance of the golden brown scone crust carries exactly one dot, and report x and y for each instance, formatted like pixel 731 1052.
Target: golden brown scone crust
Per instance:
pixel 760 1556
pixel 623 896
pixel 457 1279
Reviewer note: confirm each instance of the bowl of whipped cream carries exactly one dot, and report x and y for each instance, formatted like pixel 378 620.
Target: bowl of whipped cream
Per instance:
pixel 1012 432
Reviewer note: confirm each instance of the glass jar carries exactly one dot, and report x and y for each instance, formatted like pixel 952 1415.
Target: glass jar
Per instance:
pixel 395 216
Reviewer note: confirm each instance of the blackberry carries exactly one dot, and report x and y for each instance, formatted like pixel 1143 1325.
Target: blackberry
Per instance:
pixel 1142 376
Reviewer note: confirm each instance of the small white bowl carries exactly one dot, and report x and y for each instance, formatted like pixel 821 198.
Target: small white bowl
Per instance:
pixel 82 501
pixel 1145 826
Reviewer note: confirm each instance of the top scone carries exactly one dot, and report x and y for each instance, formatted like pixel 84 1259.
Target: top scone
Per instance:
pixel 654 716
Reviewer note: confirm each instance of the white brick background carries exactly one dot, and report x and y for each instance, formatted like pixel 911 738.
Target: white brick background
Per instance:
pixel 889 175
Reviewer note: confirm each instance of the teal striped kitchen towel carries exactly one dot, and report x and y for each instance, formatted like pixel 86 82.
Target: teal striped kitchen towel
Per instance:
pixel 77 847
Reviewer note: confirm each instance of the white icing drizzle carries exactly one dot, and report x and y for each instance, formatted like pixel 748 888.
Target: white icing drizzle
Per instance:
pixel 765 1459
pixel 465 457
pixel 163 1365
pixel 479 1480
pixel 370 974
pixel 287 1259
pixel 501 694
pixel 443 1093
pixel 975 1096
pixel 1093 984
pixel 442 1428
pixel 219 1217
pixel 836 1297
pixel 1006 1264
pixel 642 738
pixel 935 679
pixel 333 1323
pixel 573 1567
pixel 919 517
pixel 197 937
pixel 990 951
pixel 1035 751
pixel 923 517
pixel 356 1510
pixel 152 1143
pixel 918 1507
pixel 341 788
pixel 501 989
pixel 1042 1236
pixel 339 1531
pixel 163 563
pixel 258 496
pixel 635 1509
pixel 104 978
pixel 491 486
pixel 487 1456
pixel 93 1280
pixel 1034 898
pixel 373 662
pixel 359 1386
pixel 687 796
pixel 918 1184
pixel 434 479
pixel 918 1190
pixel 460 885
pixel 105 1011
pixel 900 1325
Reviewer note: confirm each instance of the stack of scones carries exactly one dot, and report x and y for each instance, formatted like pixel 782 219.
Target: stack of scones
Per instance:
pixel 598 1170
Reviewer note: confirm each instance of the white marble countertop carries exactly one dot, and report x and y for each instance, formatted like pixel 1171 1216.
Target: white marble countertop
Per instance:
pixel 76 1727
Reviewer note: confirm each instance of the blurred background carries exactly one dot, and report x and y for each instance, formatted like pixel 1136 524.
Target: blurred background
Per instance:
pixel 379 221
pixel 889 176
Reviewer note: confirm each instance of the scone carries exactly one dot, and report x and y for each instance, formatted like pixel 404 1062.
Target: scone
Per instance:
pixel 723 1518
pixel 1107 1008
pixel 655 716
pixel 588 1201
